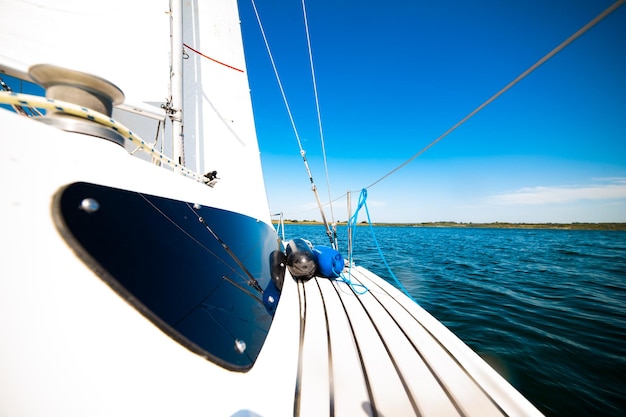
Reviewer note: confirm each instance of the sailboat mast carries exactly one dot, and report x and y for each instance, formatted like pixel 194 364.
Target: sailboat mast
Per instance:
pixel 176 79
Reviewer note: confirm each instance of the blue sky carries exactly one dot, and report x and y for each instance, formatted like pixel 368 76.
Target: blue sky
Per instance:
pixel 392 76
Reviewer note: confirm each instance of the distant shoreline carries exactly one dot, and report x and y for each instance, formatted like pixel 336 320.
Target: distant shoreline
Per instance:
pixel 494 225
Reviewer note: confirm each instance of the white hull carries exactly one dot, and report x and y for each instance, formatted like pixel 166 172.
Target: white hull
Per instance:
pixel 71 345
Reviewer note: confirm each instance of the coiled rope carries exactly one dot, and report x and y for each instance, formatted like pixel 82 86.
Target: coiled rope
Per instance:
pixel 27 100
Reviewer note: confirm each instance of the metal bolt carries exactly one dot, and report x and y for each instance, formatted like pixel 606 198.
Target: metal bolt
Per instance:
pixel 89 205
pixel 240 346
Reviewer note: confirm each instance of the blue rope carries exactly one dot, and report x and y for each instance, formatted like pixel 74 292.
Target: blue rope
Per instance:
pixel 353 285
pixel 352 224
pixel 363 289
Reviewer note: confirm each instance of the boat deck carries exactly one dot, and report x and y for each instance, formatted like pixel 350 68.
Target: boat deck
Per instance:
pixel 380 354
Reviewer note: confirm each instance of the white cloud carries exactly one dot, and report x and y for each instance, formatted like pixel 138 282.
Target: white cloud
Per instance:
pixel 605 189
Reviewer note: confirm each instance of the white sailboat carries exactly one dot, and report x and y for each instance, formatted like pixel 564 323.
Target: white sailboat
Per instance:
pixel 134 284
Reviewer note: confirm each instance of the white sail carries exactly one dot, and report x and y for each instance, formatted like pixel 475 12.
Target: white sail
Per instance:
pixel 218 121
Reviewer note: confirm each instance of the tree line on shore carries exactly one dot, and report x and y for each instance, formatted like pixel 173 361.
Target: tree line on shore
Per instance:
pixel 498 225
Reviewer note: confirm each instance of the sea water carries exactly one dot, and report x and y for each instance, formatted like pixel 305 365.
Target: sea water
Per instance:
pixel 546 308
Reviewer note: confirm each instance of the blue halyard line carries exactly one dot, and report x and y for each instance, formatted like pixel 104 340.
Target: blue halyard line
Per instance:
pixel 352 224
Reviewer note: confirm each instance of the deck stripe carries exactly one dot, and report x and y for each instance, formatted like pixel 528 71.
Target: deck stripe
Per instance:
pixel 426 363
pixel 451 356
pixel 362 300
pixel 354 358
pixel 302 304
pixel 329 352
pixel 368 385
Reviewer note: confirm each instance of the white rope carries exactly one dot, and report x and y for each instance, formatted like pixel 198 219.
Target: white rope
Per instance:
pixel 27 100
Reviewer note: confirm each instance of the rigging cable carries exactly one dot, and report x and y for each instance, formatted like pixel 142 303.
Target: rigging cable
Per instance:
pixel 319 120
pixel 533 67
pixel 293 125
